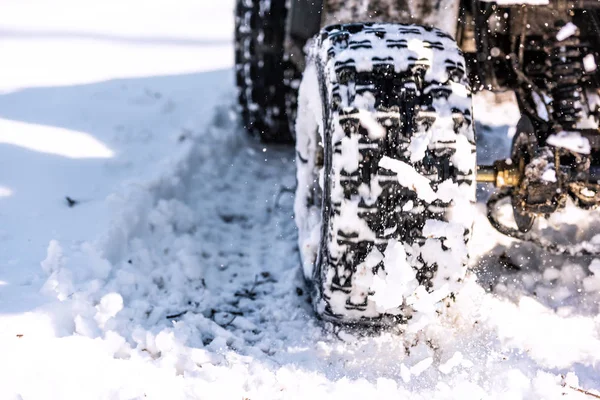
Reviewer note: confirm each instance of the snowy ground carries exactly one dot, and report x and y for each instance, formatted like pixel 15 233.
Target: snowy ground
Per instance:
pixel 175 275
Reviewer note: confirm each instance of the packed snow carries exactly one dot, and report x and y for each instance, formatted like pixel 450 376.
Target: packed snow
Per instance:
pixel 148 247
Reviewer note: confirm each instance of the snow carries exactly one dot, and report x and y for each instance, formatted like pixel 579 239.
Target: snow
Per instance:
pixel 571 141
pixel 176 273
pixel 589 63
pixel 549 175
pixel 565 32
pixel 309 222
pixel 399 281
pixel 410 178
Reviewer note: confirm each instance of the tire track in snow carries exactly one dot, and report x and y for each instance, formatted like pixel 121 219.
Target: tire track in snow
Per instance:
pixel 248 236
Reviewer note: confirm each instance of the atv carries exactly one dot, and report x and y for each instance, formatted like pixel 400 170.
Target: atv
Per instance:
pixel 377 97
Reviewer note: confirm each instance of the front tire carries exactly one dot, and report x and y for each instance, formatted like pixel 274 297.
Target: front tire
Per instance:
pixel 386 172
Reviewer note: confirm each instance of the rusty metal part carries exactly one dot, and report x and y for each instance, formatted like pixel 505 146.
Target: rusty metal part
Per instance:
pixel 486 174
pixel 587 194
pixel 508 174
pixel 504 173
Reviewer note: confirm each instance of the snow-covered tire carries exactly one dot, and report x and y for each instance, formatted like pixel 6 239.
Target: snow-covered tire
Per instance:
pixel 386 172
pixel 264 77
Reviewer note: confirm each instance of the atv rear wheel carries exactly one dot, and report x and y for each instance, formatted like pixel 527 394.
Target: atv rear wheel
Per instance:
pixel 265 79
pixel 386 171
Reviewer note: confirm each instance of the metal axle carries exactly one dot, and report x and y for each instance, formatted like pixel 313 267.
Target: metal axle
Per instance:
pixel 502 174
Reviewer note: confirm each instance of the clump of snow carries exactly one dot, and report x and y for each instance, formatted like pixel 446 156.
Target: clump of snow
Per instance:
pixel 457 360
pixel 589 63
pixel 418 146
pixel 376 131
pixel 549 175
pixel 540 106
pixel 110 305
pixel 59 282
pixel 571 141
pixel 592 283
pixel 410 178
pixel 566 31
pixel 398 283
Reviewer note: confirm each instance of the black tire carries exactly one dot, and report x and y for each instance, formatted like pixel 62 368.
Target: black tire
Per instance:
pixel 384 218
pixel 265 79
